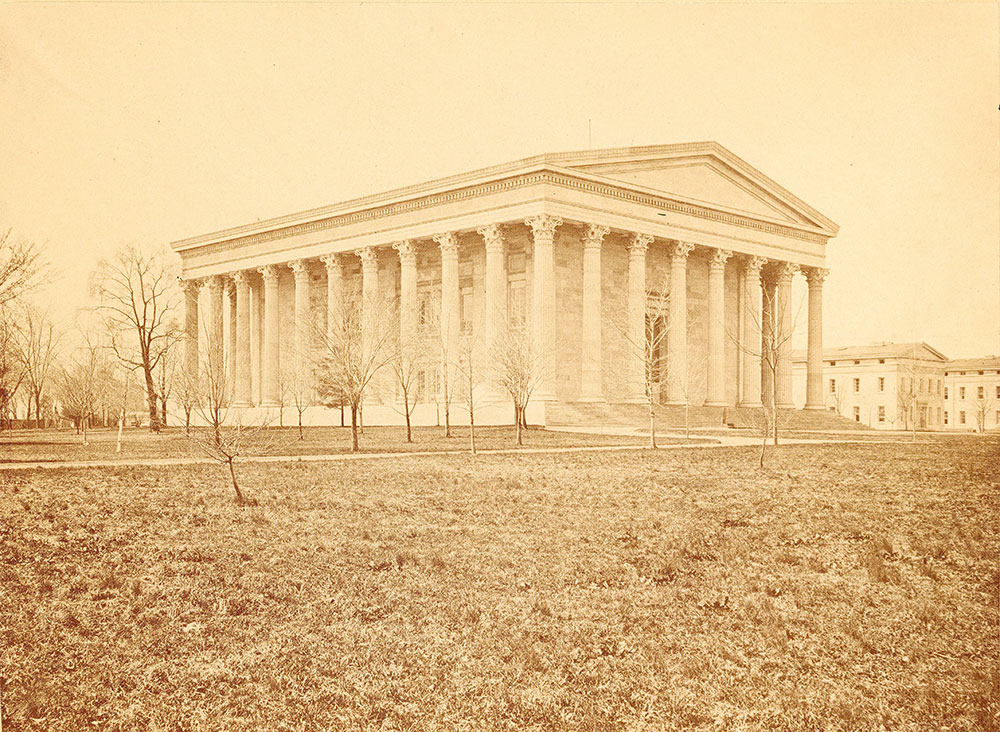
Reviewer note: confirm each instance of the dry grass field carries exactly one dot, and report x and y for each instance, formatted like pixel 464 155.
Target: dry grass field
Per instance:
pixel 846 587
pixel 58 445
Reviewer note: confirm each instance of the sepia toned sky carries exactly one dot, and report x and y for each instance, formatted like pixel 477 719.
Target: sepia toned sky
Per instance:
pixel 152 122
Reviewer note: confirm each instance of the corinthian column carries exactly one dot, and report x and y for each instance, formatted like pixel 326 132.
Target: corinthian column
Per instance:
pixel 591 381
pixel 543 301
pixel 334 293
pixel 450 316
pixel 230 286
pixel 407 290
pixel 271 362
pixel 190 288
pixel 635 328
pixel 302 355
pixel 677 375
pixel 814 352
pixel 214 351
pixel 717 328
pixel 751 338
pixel 496 284
pixel 242 386
pixel 785 325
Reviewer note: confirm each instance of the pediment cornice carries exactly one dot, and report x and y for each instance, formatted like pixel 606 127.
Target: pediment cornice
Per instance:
pixel 576 180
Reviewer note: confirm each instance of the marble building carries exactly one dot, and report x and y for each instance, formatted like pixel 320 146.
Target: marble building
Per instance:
pixel 574 245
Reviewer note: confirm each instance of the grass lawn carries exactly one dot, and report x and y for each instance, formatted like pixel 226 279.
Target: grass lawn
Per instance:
pixel 846 587
pixel 48 445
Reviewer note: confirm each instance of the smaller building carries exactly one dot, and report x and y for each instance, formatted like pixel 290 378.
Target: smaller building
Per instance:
pixel 890 386
pixel 972 394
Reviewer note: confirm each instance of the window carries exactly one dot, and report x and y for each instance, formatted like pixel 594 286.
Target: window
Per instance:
pixel 961 393
pixel 946 416
pixel 424 308
pixel 881 383
pixel 833 409
pixel 857 414
pixel 921 386
pixel 946 392
pixel 856 363
pixel 833 386
pixel 881 414
pixel 881 360
pixel 857 385
pixel 998 417
pixel 998 392
pixel 833 363
pixel 961 417
pixel 980 392
pixel 465 306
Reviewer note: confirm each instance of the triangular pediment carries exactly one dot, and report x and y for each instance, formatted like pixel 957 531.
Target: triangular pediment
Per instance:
pixel 705 173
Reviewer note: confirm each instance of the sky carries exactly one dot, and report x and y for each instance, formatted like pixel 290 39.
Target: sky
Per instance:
pixel 146 123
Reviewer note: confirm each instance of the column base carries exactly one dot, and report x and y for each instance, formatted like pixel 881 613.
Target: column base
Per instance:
pixel 750 405
pixel 243 404
pixel 785 405
pixel 591 399
pixel 717 404
pixel 675 403
pixel 544 396
pixel 267 404
pixel 636 400
pixel 815 407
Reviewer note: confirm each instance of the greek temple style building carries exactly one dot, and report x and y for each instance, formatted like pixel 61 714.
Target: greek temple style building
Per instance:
pixel 579 247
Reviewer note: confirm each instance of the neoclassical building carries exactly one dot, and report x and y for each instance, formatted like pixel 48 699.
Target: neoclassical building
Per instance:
pixel 576 246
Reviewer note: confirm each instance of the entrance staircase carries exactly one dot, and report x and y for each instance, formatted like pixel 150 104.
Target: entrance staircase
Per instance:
pixel 590 414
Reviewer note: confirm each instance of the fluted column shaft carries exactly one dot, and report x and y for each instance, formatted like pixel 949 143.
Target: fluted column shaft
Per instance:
pixel 302 352
pixel 769 328
pixel 242 394
pixel 717 328
pixel 450 324
pixel 190 288
pixel 591 376
pixel 369 312
pixel 407 291
pixel 214 353
pixel 677 366
pixel 750 347
pixel 814 349
pixel 785 324
pixel 271 361
pixel 543 302
pixel 231 341
pixel 334 295
pixel 635 319
pixel 496 285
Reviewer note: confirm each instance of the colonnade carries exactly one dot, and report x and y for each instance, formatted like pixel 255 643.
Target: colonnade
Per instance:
pixel 765 311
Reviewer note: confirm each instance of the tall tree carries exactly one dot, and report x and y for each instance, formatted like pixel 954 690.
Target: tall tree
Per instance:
pixel 11 371
pixel 36 350
pixel 136 295
pixel 516 369
pixel 20 266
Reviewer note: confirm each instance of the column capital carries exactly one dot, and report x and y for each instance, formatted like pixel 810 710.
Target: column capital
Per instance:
pixel 300 268
pixel 332 262
pixel 543 225
pixel 638 244
pixel 815 275
pixel 720 257
pixel 214 282
pixel 191 286
pixel 594 236
pixel 681 250
pixel 407 252
pixel 753 265
pixel 492 237
pixel 270 273
pixel 784 271
pixel 368 256
pixel 447 243
pixel 241 278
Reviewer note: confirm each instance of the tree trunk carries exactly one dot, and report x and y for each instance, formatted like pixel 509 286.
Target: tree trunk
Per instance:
pixel 84 431
pixel 187 420
pixel 517 423
pixel 154 415
pixel 472 426
pixel 652 425
pixel 236 486
pixel 163 412
pixel 38 409
pixel 406 407
pixel 354 428
pixel 301 437
pixel 447 419
pixel 121 426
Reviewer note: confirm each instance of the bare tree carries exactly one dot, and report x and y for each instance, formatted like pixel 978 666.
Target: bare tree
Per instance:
pixel 406 364
pixel 82 385
pixel 20 266
pixel 11 371
pixel 136 298
pixel 36 349
pixel 230 433
pixel 771 337
pixel 516 369
pixel 468 369
pixel 356 346
pixel 649 347
pixel 907 395
pixel 983 405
